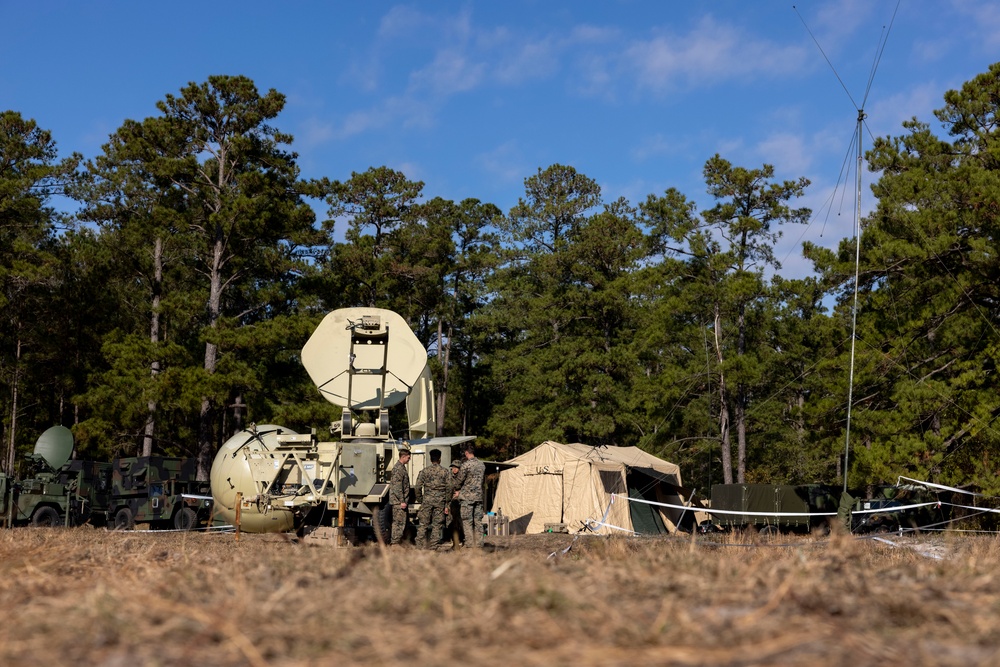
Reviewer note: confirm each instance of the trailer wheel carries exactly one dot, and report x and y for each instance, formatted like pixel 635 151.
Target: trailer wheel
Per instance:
pixel 45 517
pixel 185 519
pixel 769 530
pixel 124 519
pixel 382 522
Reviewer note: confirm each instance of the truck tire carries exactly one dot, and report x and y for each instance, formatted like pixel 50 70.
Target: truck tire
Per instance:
pixel 185 519
pixel 124 519
pixel 46 517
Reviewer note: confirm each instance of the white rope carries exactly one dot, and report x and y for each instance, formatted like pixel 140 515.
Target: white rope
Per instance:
pixel 978 509
pixel 924 553
pixel 202 529
pixel 712 511
pixel 591 524
pixel 883 510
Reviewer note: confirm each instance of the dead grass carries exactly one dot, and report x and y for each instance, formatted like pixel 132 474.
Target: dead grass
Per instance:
pixel 119 599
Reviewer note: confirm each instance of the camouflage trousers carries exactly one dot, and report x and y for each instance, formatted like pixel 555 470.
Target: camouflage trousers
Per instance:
pixel 455 519
pixel 472 523
pixel 431 518
pixel 399 516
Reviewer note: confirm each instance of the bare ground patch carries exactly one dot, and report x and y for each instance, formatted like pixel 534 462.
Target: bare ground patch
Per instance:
pixel 110 598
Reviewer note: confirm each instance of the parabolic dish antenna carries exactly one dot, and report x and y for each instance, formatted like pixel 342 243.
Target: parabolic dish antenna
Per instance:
pixel 364 358
pixel 55 445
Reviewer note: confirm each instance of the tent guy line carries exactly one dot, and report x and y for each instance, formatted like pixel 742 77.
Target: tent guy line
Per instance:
pixel 708 510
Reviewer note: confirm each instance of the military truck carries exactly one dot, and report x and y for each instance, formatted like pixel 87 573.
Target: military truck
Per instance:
pixel 891 509
pixel 773 508
pixel 159 490
pixel 55 491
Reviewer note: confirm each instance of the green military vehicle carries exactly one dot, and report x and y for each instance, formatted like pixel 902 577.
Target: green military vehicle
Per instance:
pixel 158 490
pixel 56 491
pixel 899 508
pixel 773 508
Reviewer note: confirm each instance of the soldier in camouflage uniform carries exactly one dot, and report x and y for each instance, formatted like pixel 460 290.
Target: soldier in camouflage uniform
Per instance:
pixel 455 507
pixel 469 482
pixel 399 492
pixel 434 491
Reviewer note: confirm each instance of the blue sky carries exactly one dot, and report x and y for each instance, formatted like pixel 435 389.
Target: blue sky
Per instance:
pixel 472 97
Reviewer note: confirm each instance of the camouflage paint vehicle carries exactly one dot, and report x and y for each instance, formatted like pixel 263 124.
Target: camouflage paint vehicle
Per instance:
pixel 75 494
pixel 891 509
pixel 158 490
pixel 54 490
pixel 773 508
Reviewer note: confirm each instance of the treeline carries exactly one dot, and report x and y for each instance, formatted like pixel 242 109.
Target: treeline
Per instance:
pixel 169 309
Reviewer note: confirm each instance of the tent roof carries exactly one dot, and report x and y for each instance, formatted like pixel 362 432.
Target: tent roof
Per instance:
pixel 632 457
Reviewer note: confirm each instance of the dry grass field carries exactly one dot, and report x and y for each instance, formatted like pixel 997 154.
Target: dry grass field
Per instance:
pixel 92 597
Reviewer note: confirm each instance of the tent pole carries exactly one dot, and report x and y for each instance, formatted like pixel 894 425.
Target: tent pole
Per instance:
pixel 684 511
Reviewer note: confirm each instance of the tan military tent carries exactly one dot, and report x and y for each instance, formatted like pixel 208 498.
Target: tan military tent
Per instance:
pixel 576 485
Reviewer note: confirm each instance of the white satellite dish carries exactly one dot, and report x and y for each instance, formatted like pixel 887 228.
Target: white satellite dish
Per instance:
pixel 364 358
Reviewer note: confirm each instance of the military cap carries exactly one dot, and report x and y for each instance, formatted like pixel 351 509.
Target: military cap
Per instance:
pixel 456 464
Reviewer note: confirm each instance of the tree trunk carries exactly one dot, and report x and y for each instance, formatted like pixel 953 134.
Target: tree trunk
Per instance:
pixel 206 443
pixel 9 467
pixel 239 409
pixel 444 356
pixel 725 443
pixel 154 339
pixel 741 402
pixel 741 439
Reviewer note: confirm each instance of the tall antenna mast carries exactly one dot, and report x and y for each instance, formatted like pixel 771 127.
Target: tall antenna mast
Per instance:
pixel 854 307
pixel 857 211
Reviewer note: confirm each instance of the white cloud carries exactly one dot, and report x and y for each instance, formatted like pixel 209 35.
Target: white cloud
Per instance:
pixel 835 22
pixel 653 146
pixel 984 25
pixel 787 152
pixel 886 115
pixel 361 121
pixel 635 191
pixel 412 170
pixel 314 131
pixel 454 56
pixel 591 34
pixel 527 60
pixel 404 26
pixel 402 21
pixel 506 162
pixel 710 53
pixel 725 147
pixel 931 50
pixel 451 72
pixel 364 72
pixel 598 76
pixel 393 110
